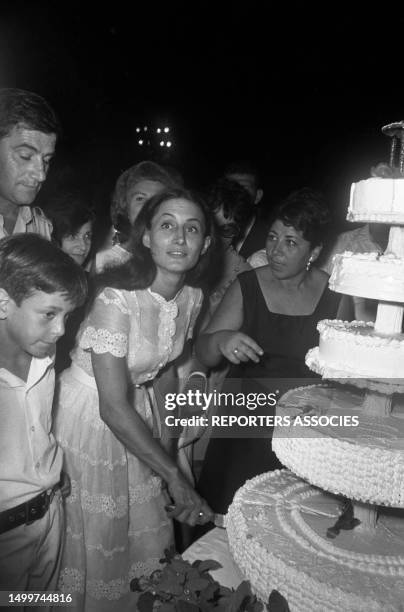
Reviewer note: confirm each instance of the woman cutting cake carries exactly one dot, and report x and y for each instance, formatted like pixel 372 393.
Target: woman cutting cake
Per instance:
pixel 121 462
pixel 264 326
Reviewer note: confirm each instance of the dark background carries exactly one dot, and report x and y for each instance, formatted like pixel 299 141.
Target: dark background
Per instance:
pixel 302 92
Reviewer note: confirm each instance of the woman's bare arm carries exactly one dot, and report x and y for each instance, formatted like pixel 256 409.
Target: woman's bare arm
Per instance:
pixel 221 338
pixel 112 383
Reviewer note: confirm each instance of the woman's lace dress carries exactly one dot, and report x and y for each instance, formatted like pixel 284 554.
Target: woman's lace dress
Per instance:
pixel 116 525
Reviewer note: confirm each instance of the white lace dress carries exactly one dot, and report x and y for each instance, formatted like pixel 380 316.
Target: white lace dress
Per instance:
pixel 116 525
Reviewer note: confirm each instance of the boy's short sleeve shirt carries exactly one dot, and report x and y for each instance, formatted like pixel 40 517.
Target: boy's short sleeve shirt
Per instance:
pixel 30 458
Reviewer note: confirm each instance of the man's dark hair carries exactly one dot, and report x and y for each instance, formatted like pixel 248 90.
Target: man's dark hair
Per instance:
pixel 28 109
pixel 233 201
pixel 243 167
pixel 30 263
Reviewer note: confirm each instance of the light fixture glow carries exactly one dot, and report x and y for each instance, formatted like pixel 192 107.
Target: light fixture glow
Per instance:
pixel 161 143
pixel 140 142
pixel 145 128
pixel 158 130
pixel 166 129
pixel 168 143
pixel 138 129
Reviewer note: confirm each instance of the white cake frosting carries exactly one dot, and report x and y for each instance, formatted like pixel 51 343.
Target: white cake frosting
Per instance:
pixel 355 350
pixel 377 200
pixel 277 524
pixel 368 275
pixel 277 527
pixel 363 461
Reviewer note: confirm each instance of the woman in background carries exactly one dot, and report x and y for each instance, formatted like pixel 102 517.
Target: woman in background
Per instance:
pixel 73 221
pixel 264 327
pixel 133 188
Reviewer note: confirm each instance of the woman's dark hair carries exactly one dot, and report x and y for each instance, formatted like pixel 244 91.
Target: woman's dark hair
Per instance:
pixel 307 211
pixel 233 201
pixel 140 271
pixel 68 210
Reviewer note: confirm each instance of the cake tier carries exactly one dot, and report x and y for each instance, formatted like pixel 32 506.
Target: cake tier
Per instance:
pixel 277 527
pixel 339 447
pixel 354 350
pixel 369 275
pixel 379 200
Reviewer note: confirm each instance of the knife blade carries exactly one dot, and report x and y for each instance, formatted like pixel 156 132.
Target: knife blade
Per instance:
pixel 219 520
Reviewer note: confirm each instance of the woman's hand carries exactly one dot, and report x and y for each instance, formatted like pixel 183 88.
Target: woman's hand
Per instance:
pixel 188 506
pixel 237 347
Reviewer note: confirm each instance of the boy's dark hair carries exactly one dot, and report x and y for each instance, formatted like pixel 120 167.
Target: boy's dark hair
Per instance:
pixel 30 263
pixel 20 107
pixel 68 210
pixel 307 211
pixel 140 271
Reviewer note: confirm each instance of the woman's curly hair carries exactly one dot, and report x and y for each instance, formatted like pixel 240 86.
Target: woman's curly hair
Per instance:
pixel 307 211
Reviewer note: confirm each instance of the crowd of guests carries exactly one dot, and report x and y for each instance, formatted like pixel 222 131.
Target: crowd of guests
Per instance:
pixel 91 479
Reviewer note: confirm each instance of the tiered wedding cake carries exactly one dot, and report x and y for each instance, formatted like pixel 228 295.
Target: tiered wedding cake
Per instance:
pixel 320 550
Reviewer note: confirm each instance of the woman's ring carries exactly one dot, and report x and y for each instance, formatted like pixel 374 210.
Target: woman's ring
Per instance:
pixel 235 350
pixel 200 514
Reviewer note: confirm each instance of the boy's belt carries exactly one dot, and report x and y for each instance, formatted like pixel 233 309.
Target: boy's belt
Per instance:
pixel 29 511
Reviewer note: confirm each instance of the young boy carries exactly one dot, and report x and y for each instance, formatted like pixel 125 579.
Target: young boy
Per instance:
pixel 39 286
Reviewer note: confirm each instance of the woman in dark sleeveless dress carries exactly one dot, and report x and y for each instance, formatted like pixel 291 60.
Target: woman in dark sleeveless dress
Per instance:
pixel 264 326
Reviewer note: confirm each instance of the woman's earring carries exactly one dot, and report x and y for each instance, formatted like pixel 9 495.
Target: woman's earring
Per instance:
pixel 310 260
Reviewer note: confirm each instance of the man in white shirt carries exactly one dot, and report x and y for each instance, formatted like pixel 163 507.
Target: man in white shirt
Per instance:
pixel 28 132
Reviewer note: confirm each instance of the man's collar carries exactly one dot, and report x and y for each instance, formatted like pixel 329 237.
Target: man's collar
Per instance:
pixel 25 213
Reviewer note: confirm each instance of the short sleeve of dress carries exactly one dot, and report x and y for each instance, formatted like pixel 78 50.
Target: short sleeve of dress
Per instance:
pixel 107 327
pixel 196 308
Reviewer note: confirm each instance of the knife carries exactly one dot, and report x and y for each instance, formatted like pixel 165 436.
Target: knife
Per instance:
pixel 219 520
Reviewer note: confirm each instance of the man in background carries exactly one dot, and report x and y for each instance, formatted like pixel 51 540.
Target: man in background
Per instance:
pixel 254 237
pixel 28 132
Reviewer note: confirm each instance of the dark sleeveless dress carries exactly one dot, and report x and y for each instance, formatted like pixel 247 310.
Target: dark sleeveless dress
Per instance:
pixel 245 452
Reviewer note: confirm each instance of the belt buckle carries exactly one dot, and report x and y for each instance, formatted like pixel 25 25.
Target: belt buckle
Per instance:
pixel 34 513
